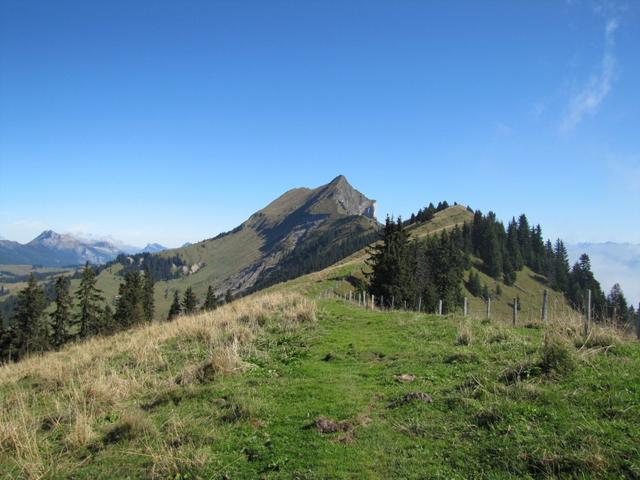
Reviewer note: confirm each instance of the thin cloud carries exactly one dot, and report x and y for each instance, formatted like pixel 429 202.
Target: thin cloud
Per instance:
pixel 588 100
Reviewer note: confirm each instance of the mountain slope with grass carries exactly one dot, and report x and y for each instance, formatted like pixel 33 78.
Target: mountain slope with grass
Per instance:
pixel 303 230
pixel 281 385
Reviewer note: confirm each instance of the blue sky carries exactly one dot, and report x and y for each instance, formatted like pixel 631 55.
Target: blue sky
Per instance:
pixel 172 121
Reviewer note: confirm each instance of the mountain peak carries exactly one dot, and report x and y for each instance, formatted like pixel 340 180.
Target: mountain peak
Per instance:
pixel 340 179
pixel 339 194
pixel 46 235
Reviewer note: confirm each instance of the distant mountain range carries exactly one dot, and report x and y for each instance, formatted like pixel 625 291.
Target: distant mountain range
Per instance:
pixel 51 249
pixel 613 263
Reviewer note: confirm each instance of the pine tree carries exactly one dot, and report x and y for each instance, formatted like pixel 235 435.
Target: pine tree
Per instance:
pixel 147 299
pixel 211 301
pixel 61 316
pixel 175 308
pixel 89 299
pixel 30 333
pixel 189 301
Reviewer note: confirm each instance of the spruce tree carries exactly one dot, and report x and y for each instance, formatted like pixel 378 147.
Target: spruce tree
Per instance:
pixel 107 321
pixel 513 246
pixel 524 239
pixel 474 286
pixel 391 264
pixel 89 299
pixel 189 301
pixel 175 308
pixel 618 306
pixel 228 297
pixel 130 307
pixel 211 301
pixel 561 266
pixel 30 333
pixel 61 316
pixel 147 298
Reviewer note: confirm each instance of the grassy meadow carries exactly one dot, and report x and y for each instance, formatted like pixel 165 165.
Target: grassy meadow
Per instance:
pixel 278 385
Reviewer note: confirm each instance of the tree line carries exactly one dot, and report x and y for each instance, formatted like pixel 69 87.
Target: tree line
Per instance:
pixel 86 313
pixel 432 269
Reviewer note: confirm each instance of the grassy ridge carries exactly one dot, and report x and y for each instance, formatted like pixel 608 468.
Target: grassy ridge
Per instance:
pixel 260 389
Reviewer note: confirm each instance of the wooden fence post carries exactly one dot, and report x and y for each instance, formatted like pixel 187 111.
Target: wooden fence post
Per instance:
pixel 515 311
pixel 545 299
pixel 440 307
pixel 373 301
pixel 587 317
pixel 465 308
pixel 420 304
pixel 488 307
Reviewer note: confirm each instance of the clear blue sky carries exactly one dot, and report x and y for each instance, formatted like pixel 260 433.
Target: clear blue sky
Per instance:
pixel 172 121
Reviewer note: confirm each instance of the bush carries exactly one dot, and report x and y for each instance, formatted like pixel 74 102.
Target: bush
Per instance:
pixel 557 356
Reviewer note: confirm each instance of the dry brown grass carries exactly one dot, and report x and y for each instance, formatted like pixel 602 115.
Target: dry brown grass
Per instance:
pixel 79 383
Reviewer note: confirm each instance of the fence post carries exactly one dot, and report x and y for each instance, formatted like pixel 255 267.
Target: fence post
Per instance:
pixel 440 307
pixel 465 308
pixel 587 317
pixel 382 302
pixel 515 311
pixel 488 307
pixel 393 300
pixel 373 301
pixel 545 299
pixel 420 304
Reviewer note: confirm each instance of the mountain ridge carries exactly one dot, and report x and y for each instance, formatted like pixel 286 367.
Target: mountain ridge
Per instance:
pixel 53 249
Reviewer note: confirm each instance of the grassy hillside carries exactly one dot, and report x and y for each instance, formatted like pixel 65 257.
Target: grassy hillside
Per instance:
pixel 274 386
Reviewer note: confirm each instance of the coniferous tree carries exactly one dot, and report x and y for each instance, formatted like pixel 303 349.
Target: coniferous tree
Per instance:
pixel 189 301
pixel 61 316
pixel 5 341
pixel 486 295
pixel 147 295
pixel 582 279
pixel 228 297
pixel 524 239
pixel 29 330
pixel 617 305
pixel 130 308
pixel 391 264
pixel 211 301
pixel 474 286
pixel 175 308
pixel 89 299
pixel 537 263
pixel 513 246
pixel 491 249
pixel 107 323
pixel 561 266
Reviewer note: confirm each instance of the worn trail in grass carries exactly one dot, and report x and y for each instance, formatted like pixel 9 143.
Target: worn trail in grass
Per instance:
pixel 479 423
pixel 478 400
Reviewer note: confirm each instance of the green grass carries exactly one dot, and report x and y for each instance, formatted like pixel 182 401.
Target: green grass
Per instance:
pixel 576 419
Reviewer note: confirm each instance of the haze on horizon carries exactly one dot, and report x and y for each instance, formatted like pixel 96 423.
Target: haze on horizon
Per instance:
pixel 165 122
